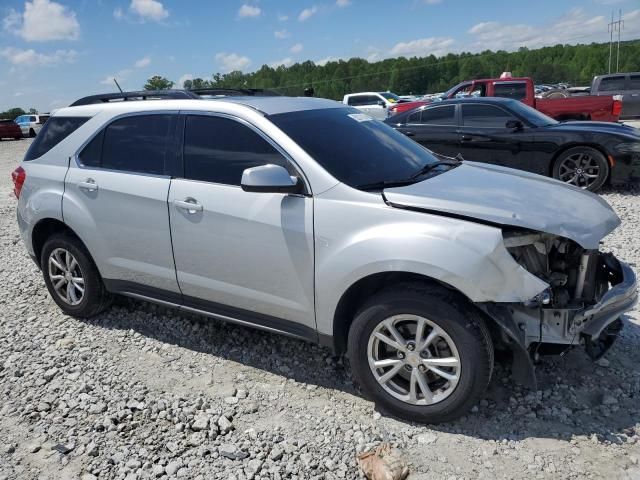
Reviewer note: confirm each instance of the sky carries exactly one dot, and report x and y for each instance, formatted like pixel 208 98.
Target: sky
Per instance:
pixel 53 52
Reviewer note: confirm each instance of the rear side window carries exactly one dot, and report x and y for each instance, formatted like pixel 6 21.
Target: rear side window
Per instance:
pixel 634 82
pixel 52 133
pixel 134 144
pixel 515 90
pixel 439 116
pixel 612 84
pixel 218 150
pixel 487 116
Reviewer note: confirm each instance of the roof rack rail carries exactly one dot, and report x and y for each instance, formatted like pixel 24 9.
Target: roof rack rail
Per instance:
pixel 141 95
pixel 235 92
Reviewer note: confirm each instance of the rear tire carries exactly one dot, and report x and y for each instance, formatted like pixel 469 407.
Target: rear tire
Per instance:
pixel 582 167
pixel 32 133
pixel 72 278
pixel 454 368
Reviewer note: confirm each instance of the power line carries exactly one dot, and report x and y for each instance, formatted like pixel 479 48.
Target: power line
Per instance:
pixel 612 27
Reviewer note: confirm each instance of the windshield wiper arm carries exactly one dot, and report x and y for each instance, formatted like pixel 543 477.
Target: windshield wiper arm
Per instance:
pixel 430 166
pixel 385 184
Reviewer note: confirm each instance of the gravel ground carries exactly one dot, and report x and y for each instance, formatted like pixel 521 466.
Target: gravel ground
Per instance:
pixel 143 392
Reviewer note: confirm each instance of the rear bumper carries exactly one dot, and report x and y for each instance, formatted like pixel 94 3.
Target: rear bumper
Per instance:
pixel 619 299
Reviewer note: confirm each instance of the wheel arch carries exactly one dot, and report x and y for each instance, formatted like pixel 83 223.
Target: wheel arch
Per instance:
pixel 44 229
pixel 595 146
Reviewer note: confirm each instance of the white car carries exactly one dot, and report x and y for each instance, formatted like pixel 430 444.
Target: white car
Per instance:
pixel 374 104
pixel 30 124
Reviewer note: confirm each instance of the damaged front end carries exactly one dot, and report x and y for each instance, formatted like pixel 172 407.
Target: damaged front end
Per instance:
pixel 588 291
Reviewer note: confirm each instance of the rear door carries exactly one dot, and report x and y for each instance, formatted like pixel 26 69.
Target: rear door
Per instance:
pixel 244 255
pixel 485 137
pixel 435 128
pixel 116 200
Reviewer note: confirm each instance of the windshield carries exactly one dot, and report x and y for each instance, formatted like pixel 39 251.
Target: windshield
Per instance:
pixel 390 96
pixel 353 147
pixel 531 115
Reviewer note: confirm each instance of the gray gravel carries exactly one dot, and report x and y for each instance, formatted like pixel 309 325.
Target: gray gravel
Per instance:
pixel 143 392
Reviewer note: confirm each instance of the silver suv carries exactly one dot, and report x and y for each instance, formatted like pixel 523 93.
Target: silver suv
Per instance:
pixel 306 217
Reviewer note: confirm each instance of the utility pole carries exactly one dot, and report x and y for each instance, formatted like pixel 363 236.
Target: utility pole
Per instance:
pixel 612 28
pixel 620 28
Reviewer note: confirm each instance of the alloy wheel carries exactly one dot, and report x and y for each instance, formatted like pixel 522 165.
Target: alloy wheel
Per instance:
pixel 66 276
pixel 579 169
pixel 413 359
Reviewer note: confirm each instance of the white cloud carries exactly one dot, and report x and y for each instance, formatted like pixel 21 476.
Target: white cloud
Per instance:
pixel 18 94
pixel 323 61
pixel 307 13
pixel 281 34
pixel 149 10
pixel 283 18
pixel 31 58
pixel 431 2
pixel 285 62
pixel 249 11
pixel 422 47
pixel 232 61
pixel 182 79
pixel 576 26
pixel 297 48
pixel 118 14
pixel 343 3
pixel 143 62
pixel 42 21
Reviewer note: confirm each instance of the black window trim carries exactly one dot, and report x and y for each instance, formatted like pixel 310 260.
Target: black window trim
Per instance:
pixel 486 104
pixel 104 126
pixel 433 107
pixel 202 113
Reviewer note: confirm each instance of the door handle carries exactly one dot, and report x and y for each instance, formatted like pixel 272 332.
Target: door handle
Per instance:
pixel 467 138
pixel 89 184
pixel 409 134
pixel 189 204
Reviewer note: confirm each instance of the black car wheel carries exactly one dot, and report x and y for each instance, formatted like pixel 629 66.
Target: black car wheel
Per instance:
pixel 420 352
pixel 582 167
pixel 32 133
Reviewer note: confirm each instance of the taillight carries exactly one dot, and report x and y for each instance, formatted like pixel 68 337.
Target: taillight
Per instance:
pixel 18 176
pixel 393 111
pixel 616 110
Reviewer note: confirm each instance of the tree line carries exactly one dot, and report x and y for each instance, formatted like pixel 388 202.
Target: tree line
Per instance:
pixel 575 64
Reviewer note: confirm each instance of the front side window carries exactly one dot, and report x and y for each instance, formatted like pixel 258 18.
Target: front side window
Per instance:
pixel 137 144
pixel 612 84
pixel 486 116
pixel 219 149
pixel 514 90
pixel 354 149
pixel 52 133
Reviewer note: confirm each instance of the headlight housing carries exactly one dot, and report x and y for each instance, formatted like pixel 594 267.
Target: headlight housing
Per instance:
pixel 628 147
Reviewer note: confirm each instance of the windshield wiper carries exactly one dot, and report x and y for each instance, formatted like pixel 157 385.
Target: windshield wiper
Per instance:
pixel 430 166
pixel 385 184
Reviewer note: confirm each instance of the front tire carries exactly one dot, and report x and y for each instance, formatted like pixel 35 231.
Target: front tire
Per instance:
pixel 421 353
pixel 72 278
pixel 583 167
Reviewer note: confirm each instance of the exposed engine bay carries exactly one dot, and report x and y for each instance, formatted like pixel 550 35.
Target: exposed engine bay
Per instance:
pixel 578 279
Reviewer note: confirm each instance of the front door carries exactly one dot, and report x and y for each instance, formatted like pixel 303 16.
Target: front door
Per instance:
pixel 244 255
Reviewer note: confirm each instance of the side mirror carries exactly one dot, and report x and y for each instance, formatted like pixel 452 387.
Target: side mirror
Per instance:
pixel 514 125
pixel 270 179
pixel 381 103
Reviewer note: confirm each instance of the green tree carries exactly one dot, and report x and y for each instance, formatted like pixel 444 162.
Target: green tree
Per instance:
pixel 158 83
pixel 12 113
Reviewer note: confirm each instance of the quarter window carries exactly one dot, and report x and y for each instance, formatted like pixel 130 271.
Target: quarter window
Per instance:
pixel 52 133
pixel 486 116
pixel 219 149
pixel 137 144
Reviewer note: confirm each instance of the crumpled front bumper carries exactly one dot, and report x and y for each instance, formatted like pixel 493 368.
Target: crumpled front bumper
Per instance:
pixel 617 300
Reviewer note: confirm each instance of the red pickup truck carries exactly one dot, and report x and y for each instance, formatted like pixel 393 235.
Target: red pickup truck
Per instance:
pixel 10 129
pixel 600 108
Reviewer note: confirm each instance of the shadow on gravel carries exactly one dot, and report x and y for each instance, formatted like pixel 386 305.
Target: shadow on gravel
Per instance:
pixel 575 396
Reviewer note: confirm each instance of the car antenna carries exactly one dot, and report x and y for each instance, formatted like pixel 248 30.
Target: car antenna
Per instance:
pixel 117 84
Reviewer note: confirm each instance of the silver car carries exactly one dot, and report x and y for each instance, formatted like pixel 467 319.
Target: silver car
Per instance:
pixel 306 217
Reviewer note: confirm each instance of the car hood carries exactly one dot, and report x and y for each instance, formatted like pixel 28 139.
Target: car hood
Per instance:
pixel 597 127
pixel 508 197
